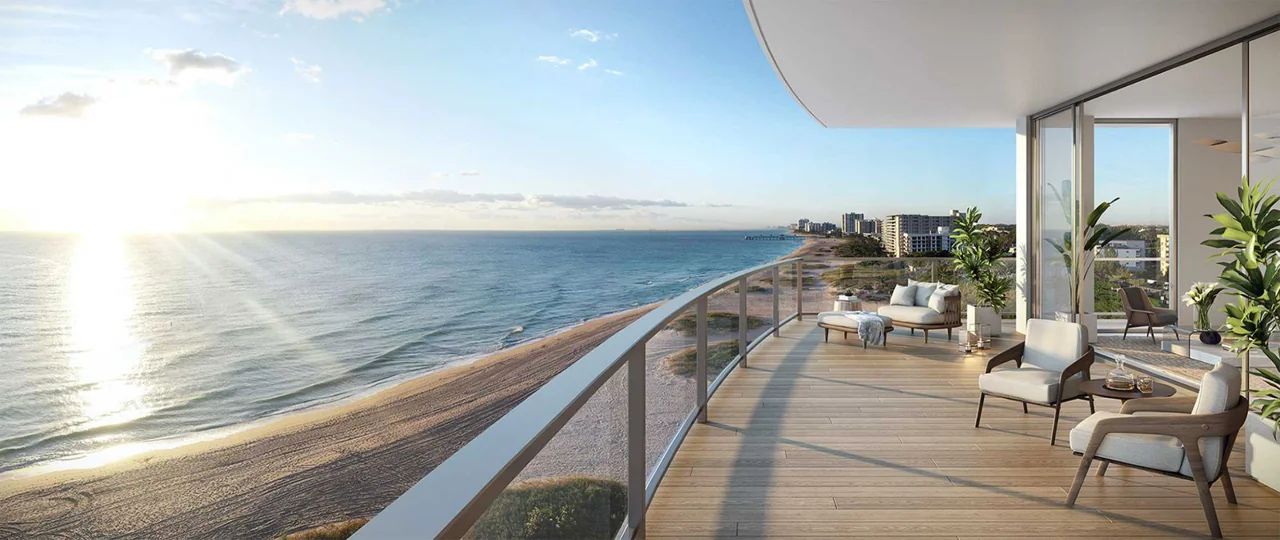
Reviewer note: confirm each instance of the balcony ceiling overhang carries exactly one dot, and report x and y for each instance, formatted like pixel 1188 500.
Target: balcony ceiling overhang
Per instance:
pixel 975 63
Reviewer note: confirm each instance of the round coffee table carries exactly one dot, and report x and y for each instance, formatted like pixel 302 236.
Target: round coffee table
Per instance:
pixel 1097 387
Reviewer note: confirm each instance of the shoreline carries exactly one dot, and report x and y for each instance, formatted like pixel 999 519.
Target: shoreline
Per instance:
pixel 280 474
pixel 271 478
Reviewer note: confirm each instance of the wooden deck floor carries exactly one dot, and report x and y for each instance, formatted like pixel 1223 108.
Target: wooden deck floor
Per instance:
pixel 829 440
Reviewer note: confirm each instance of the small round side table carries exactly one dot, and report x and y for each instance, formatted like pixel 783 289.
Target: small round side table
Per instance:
pixel 1097 387
pixel 847 303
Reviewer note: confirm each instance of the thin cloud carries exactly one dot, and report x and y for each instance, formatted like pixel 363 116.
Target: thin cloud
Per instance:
pixel 308 72
pixel 66 105
pixel 193 65
pixel 333 9
pixel 552 59
pixel 601 202
pixel 590 63
pixel 444 197
pixel 614 72
pixel 472 172
pixel 593 36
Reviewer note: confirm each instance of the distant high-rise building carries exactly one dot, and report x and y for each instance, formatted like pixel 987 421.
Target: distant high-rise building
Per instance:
pixel 895 228
pixel 867 226
pixel 802 225
pixel 1163 239
pixel 938 240
pixel 849 222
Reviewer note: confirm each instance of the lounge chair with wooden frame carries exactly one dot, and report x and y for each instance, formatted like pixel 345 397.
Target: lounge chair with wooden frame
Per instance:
pixel 1189 440
pixel 1050 365
pixel 1139 312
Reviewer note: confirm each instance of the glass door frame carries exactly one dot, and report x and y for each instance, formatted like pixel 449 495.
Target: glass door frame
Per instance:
pixel 1172 125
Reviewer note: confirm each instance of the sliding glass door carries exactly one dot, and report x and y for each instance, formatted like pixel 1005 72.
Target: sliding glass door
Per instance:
pixel 1056 187
pixel 1134 164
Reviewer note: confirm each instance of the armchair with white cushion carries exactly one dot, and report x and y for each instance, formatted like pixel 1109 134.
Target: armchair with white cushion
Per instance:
pixel 1180 438
pixel 1049 367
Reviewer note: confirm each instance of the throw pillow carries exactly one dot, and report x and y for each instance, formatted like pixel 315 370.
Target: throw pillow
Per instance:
pixel 951 290
pixel 903 296
pixel 923 292
pixel 938 300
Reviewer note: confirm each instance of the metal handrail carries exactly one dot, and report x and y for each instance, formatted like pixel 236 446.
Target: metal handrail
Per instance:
pixel 448 500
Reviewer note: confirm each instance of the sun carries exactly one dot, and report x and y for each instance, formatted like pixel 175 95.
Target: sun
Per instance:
pixel 130 163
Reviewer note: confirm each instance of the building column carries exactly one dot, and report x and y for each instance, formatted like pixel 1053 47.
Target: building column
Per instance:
pixel 1023 223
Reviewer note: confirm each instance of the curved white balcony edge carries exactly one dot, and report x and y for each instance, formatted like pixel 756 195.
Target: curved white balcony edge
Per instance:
pixel 448 500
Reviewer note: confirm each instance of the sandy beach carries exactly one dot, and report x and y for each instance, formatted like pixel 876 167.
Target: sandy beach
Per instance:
pixel 351 459
pixel 308 468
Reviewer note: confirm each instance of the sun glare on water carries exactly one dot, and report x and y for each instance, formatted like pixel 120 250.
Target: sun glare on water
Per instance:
pixel 104 350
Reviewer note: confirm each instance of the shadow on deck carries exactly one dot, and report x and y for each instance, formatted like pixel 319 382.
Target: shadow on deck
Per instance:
pixel 828 439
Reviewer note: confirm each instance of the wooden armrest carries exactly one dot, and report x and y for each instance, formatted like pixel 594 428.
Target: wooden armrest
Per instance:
pixel 1081 365
pixel 1189 427
pixel 1012 354
pixel 1158 404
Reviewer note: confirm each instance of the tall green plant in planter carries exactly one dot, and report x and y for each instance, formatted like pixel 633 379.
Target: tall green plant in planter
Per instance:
pixel 977 251
pixel 1096 237
pixel 1249 237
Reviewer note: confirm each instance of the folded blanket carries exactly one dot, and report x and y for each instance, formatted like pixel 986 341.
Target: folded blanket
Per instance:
pixel 870 326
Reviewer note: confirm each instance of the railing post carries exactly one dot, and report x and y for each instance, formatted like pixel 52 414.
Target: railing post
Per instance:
pixel 635 440
pixel 800 290
pixel 742 319
pixel 933 270
pixel 701 370
pixel 777 320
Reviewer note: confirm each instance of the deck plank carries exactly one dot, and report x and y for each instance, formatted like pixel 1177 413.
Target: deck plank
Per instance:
pixel 817 440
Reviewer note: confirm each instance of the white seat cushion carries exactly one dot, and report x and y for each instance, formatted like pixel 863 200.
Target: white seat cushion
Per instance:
pixel 911 314
pixel 1053 345
pixel 1027 383
pixel 839 320
pixel 1162 452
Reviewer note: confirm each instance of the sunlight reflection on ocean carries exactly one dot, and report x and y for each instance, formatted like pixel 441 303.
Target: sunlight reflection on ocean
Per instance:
pixel 107 342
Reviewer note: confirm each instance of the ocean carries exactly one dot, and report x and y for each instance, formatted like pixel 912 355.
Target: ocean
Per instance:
pixel 111 343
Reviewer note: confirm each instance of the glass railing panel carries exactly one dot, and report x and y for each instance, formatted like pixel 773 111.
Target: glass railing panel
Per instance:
pixel 871 280
pixel 760 304
pixel 817 295
pixel 786 292
pixel 722 329
pixel 1109 275
pixel 576 486
pixel 670 384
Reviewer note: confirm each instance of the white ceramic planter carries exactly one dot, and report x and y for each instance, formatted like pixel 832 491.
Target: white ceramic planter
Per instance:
pixel 982 315
pixel 1261 451
pixel 1088 320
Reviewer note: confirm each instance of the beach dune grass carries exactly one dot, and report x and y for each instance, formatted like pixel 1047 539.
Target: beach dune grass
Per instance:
pixel 331 531
pixel 567 507
pixel 716 321
pixel 685 361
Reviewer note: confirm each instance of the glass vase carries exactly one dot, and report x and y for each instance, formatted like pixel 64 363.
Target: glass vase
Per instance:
pixel 1202 318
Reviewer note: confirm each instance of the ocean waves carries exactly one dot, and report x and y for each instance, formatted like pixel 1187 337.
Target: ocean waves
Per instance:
pixel 157 338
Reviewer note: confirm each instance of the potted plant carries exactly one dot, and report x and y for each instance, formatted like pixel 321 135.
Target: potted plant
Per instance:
pixel 977 251
pixel 1249 237
pixel 1201 296
pixel 1096 238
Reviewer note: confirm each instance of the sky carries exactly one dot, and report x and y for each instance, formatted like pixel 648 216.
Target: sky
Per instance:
pixel 376 114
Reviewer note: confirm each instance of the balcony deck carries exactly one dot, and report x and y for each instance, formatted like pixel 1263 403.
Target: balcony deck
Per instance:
pixel 817 439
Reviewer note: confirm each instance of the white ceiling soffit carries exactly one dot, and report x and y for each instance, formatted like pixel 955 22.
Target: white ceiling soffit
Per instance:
pixel 974 63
